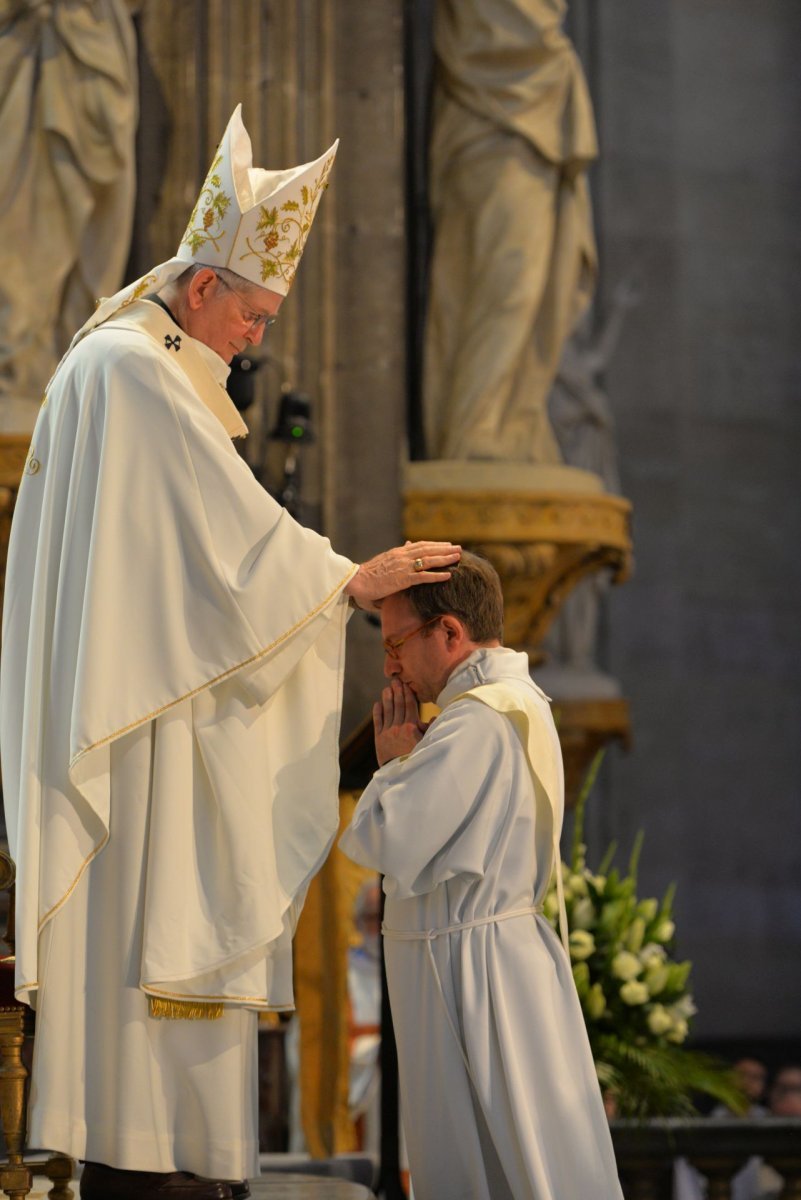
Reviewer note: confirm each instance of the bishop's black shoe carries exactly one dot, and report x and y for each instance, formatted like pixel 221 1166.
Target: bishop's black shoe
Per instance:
pixel 99 1182
pixel 240 1188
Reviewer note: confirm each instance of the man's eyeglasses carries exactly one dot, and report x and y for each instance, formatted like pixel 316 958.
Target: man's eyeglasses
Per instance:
pixel 254 321
pixel 392 646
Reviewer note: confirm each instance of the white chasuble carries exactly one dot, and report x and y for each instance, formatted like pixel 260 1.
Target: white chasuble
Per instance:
pixel 500 1100
pixel 155 589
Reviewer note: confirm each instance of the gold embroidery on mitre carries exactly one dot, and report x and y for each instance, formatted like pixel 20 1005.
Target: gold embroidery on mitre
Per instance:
pixel 184 1010
pixel 32 465
pixel 282 230
pixel 207 223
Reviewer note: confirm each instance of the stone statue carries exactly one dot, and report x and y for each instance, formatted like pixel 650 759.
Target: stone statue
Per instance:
pixel 584 426
pixel 578 405
pixel 67 126
pixel 514 255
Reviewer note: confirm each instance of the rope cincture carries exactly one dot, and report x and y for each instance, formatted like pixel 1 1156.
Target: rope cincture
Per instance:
pixel 430 935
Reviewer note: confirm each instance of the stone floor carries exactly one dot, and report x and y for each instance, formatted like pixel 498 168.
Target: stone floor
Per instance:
pixel 268 1187
pixel 306 1187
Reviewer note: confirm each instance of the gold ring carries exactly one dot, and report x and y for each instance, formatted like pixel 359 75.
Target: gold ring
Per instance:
pixel 418 564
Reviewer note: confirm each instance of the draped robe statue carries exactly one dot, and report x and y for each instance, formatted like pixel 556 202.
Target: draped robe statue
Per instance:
pixel 584 425
pixel 514 256
pixel 67 125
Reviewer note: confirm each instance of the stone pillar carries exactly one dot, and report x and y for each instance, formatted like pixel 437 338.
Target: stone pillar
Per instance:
pixel 305 72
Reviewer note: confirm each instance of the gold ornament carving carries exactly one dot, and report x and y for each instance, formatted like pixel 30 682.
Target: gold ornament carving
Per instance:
pixel 541 544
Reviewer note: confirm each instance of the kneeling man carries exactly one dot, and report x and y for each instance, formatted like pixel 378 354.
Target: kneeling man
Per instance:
pixel 499 1092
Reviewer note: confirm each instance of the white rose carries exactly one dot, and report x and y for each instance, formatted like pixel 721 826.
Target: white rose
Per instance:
pixel 678 1033
pixel 634 992
pixel 577 885
pixel 582 944
pixel 659 1020
pixel 664 930
pixel 551 906
pixel 625 965
pixel 684 1008
pixel 652 953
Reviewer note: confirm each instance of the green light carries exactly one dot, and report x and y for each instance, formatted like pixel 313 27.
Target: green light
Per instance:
pixel 297 431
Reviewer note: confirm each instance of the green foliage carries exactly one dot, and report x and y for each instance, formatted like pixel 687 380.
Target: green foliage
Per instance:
pixel 220 203
pixel 635 997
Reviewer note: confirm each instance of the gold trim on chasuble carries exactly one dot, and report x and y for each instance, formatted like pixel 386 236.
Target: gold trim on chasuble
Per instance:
pixel 183 1010
pixel 174 1007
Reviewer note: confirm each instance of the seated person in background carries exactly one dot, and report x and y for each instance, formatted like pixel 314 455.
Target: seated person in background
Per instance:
pixel 758 1180
pixel 784 1098
pixel 755 1179
pixel 752 1076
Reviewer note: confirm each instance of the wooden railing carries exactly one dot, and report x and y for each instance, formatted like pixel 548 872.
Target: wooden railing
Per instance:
pixel 647 1150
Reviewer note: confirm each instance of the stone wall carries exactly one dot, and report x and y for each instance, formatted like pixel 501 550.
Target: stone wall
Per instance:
pixel 699 112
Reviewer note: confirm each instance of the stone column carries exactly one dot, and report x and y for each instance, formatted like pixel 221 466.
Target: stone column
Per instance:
pixel 305 72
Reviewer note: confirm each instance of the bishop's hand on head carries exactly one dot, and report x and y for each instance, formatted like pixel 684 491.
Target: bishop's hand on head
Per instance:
pixel 402 567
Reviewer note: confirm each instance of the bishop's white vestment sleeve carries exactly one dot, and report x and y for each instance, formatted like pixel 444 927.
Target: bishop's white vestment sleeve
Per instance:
pixel 148 568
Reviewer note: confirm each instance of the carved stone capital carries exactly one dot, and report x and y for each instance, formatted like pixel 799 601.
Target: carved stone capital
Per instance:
pixel 540 542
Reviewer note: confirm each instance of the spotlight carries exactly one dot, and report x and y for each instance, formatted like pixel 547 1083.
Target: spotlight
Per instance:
pixel 240 385
pixel 294 429
pixel 294 419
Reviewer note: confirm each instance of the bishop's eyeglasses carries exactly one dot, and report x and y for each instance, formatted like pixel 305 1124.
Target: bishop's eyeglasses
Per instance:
pixel 253 320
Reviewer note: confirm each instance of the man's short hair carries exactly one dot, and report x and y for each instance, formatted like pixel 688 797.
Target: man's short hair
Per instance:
pixel 473 594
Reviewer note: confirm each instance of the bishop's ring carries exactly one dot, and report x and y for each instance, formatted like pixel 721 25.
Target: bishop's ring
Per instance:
pixel 418 564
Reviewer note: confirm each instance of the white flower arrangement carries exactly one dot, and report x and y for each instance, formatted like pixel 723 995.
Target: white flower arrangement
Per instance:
pixel 635 998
